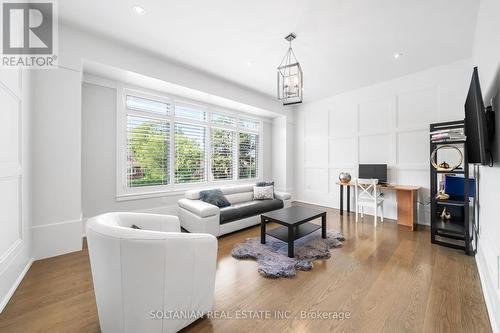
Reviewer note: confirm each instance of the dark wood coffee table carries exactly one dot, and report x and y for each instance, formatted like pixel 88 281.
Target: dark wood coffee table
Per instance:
pixel 294 221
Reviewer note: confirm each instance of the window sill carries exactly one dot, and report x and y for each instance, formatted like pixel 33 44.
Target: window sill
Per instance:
pixel 148 195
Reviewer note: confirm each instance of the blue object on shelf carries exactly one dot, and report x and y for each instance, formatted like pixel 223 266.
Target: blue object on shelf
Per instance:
pixel 454 186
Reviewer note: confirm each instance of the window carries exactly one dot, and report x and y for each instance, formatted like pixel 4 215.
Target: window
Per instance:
pixel 170 145
pixel 223 153
pixel 189 153
pixel 148 140
pixel 147 151
pixel 248 155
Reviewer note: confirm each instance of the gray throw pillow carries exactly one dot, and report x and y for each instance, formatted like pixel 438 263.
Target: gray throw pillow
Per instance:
pixel 264 184
pixel 263 192
pixel 214 197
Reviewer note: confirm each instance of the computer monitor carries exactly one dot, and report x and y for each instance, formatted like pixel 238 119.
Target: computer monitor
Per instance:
pixel 373 171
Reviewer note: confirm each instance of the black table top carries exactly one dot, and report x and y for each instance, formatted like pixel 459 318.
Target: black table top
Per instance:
pixel 294 215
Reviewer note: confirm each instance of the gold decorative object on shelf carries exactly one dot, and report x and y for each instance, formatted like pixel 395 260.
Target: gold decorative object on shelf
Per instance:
pixel 445 215
pixel 441 194
pixel 444 166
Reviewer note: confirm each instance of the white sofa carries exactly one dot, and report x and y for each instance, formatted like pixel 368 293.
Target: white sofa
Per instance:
pixel 142 275
pixel 201 217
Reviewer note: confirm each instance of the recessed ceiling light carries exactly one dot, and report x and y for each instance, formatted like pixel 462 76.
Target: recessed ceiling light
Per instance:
pixel 139 10
pixel 397 55
pixel 249 63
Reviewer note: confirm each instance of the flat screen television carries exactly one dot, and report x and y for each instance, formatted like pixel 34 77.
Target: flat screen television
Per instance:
pixel 475 123
pixel 373 171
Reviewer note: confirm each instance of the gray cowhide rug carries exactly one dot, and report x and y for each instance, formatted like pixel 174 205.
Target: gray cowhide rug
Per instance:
pixel 272 257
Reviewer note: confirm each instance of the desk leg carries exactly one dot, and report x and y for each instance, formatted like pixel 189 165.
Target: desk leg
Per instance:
pixel 348 199
pixel 407 208
pixel 341 199
pixel 262 230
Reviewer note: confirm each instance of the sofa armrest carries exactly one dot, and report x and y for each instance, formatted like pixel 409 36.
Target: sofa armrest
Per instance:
pixel 282 195
pixel 198 207
pixel 152 222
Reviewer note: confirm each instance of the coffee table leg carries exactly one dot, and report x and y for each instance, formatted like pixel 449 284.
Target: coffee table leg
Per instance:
pixel 323 226
pixel 262 230
pixel 291 238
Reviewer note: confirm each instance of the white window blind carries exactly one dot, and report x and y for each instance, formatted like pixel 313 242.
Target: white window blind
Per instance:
pixel 249 123
pixel 190 153
pixel 148 141
pixel 248 148
pixel 190 112
pixel 222 119
pixel 147 105
pixel 223 154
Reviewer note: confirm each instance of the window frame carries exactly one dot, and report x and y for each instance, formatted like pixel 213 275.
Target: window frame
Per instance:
pixel 123 192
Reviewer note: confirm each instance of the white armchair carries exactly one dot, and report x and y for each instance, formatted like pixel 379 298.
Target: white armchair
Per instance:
pixel 142 276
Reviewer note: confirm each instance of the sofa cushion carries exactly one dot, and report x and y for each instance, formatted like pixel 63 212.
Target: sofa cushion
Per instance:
pixel 248 209
pixel 237 198
pixel 214 197
pixel 229 214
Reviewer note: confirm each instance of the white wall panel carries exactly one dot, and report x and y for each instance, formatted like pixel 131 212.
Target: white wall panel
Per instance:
pixel 10 210
pixel 11 79
pixel 9 129
pixel 418 108
pixel 342 152
pixel 316 124
pixel 413 148
pixel 343 120
pixel 316 151
pixel 316 180
pixel 376 149
pixel 376 115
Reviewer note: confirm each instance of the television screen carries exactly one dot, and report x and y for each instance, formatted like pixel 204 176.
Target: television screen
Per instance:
pixel 475 123
pixel 373 171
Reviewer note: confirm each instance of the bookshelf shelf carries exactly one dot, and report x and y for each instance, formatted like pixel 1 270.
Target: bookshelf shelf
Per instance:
pixel 458 232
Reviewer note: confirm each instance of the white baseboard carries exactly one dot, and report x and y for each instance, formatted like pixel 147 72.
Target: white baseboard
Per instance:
pixel 490 289
pixel 55 239
pixel 12 290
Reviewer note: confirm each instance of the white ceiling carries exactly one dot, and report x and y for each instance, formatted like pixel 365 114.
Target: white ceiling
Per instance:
pixel 341 44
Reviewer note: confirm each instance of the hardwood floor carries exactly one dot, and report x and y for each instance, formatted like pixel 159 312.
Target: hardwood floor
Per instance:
pixel 389 279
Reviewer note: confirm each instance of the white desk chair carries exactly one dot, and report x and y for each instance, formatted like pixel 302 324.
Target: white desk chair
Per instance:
pixel 367 196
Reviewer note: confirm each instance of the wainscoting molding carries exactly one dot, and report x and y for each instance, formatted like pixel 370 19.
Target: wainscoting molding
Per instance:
pixel 12 290
pixel 385 123
pixel 15 249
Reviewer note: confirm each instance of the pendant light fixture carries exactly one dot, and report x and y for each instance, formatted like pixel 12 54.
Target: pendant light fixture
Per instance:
pixel 290 82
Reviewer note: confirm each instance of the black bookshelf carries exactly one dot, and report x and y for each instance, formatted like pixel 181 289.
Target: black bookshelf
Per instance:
pixel 459 231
